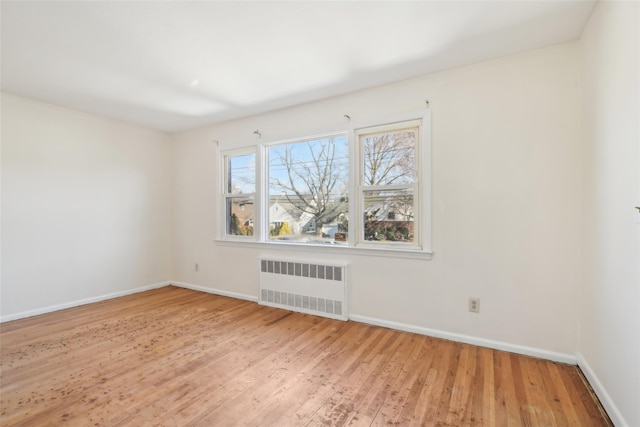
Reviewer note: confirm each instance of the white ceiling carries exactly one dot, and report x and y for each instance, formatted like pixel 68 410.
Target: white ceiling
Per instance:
pixel 178 65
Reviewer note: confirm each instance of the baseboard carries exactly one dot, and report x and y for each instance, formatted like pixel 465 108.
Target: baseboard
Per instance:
pixel 608 404
pixel 215 291
pixel 77 303
pixel 482 342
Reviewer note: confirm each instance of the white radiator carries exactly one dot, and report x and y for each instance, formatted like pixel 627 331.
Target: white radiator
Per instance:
pixel 307 287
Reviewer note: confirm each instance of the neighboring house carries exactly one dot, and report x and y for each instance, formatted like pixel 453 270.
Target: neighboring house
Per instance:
pixel 283 210
pixel 245 216
pixel 279 215
pixel 389 219
pixel 388 214
pixel 390 209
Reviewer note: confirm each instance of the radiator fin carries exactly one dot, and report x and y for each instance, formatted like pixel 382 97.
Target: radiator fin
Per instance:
pixel 326 272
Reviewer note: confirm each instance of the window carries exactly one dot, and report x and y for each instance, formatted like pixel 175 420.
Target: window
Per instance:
pixel 363 188
pixel 308 190
pixel 388 188
pixel 239 193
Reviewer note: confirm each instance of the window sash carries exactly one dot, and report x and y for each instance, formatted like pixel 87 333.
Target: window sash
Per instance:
pixel 364 232
pixel 237 228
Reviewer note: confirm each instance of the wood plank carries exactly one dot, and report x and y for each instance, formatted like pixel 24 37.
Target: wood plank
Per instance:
pixel 174 356
pixel 485 407
pixel 507 408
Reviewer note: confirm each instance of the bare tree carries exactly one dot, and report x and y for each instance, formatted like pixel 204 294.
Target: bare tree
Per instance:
pixel 315 183
pixel 313 179
pixel 389 158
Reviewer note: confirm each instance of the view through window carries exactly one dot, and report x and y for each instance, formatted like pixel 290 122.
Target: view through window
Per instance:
pixel 308 190
pixel 361 189
pixel 240 192
pixel 388 188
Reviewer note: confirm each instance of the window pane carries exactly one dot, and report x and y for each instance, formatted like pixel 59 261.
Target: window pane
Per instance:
pixel 308 188
pixel 389 157
pixel 239 216
pixel 388 216
pixel 241 174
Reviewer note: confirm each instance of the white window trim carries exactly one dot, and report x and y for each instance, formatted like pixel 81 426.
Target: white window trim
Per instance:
pixel 355 246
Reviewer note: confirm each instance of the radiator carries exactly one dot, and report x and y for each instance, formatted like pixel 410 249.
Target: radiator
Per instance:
pixel 307 287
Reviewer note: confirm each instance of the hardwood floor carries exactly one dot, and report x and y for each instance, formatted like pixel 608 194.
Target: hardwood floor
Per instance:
pixel 176 357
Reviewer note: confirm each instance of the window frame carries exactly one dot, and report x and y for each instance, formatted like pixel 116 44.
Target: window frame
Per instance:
pixel 362 187
pixel 356 245
pixel 226 195
pixel 265 177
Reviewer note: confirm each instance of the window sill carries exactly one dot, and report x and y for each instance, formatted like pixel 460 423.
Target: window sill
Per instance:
pixel 330 249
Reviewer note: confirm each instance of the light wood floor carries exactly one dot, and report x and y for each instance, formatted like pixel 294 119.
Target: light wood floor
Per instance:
pixel 175 357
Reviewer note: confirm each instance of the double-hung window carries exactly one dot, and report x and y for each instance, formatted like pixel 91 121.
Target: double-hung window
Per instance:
pixel 239 193
pixel 364 188
pixel 389 190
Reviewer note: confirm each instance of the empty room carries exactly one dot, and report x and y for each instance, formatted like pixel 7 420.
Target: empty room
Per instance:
pixel 310 213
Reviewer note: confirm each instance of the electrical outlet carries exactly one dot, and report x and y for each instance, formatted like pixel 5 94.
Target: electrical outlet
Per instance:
pixel 197 267
pixel 474 305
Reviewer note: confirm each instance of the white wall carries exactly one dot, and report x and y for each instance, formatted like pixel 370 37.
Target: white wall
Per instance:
pixel 506 201
pixel 609 342
pixel 86 206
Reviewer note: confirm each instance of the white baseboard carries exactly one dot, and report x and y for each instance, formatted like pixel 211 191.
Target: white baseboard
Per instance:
pixel 52 308
pixel 608 404
pixel 482 342
pixel 215 291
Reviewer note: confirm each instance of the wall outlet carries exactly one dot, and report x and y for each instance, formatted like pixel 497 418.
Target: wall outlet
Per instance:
pixel 197 267
pixel 474 305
